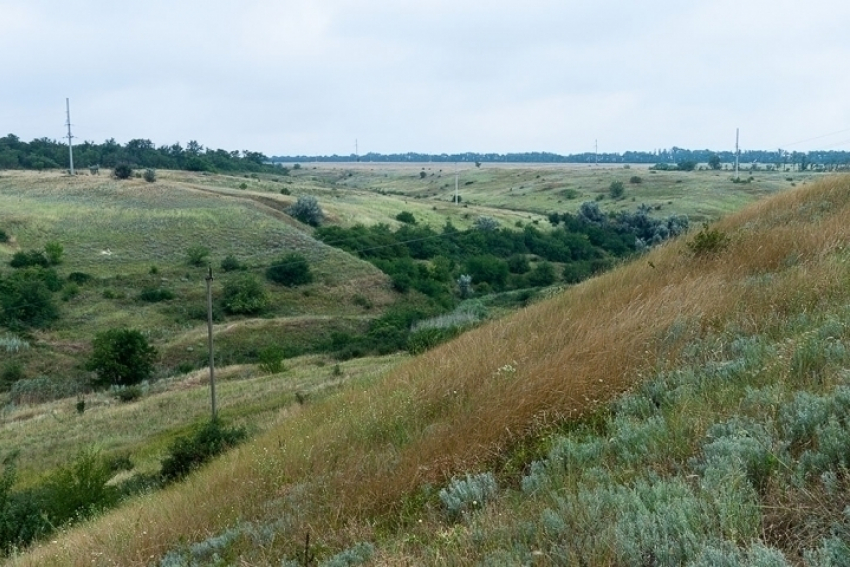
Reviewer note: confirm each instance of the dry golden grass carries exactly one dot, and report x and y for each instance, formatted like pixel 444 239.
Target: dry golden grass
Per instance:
pixel 355 456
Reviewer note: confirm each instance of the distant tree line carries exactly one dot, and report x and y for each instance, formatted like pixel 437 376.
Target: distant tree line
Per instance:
pixel 797 160
pixel 44 153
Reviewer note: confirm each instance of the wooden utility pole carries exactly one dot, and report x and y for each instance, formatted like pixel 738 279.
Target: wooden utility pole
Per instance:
pixel 210 341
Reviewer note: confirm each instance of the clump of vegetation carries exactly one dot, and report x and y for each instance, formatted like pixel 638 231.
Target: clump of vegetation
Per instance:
pixel 485 223
pixel 25 259
pixel 244 295
pixel 616 189
pixel 271 359
pixel 307 210
pixel 708 241
pixel 26 299
pixel 231 264
pixel 121 357
pixel 291 270
pixel 123 171
pixel 463 495
pixel 4 236
pixel 406 217
pixel 190 452
pixel 149 175
pixel 155 294
pixel 197 255
pixel 635 179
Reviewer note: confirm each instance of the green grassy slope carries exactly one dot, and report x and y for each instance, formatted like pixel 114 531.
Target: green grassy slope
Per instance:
pixel 686 408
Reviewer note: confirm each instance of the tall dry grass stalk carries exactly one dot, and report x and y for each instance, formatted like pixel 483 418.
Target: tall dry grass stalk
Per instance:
pixel 458 407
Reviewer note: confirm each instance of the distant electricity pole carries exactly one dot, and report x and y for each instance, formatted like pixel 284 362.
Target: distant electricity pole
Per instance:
pixel 70 137
pixel 596 153
pixel 356 150
pixel 457 197
pixel 737 154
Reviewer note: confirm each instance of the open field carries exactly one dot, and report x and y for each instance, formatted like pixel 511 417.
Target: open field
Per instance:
pixel 695 339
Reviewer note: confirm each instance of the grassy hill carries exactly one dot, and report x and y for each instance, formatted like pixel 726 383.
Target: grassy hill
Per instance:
pixel 685 408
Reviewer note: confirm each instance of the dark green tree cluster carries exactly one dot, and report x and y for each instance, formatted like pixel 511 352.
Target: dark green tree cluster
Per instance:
pixel 139 153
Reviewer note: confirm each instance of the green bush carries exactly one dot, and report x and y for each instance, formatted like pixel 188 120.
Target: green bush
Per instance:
pixel 244 295
pixel 4 237
pixel 26 301
pixel 291 270
pixel 155 294
pixel 406 217
pixel 54 251
pixel 271 359
pixel 197 255
pixel 123 171
pixel 708 241
pixel 121 357
pixel 149 175
pixel 542 275
pixel 616 189
pixel 231 264
pixel 128 393
pixel 11 372
pixel 22 259
pixel 70 291
pixel 79 278
pixel 307 210
pixel 635 179
pixel 190 452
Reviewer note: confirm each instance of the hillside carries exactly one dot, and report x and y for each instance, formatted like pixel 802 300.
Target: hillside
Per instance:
pixel 688 407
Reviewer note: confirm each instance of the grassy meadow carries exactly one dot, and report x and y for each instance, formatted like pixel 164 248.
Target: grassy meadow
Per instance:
pixel 686 408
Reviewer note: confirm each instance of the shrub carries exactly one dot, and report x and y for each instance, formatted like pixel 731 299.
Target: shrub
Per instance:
pixel 708 241
pixel 12 372
pixel 543 274
pixel 271 359
pixel 635 179
pixel 70 291
pixel 4 237
pixel 121 357
pixel 406 217
pixel 23 259
pixel 54 251
pixel 197 255
pixel 243 185
pixel 307 210
pixel 79 278
pixel 616 189
pixel 123 171
pixel 155 294
pixel 128 393
pixel 190 452
pixel 149 175
pixel 26 301
pixel 357 555
pixel 231 264
pixel 244 296
pixel 485 223
pixel 518 263
pixel 686 165
pixel 80 489
pixel 291 270
pixel 465 494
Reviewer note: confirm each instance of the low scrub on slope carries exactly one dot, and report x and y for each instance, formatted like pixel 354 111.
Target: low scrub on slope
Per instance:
pixel 687 408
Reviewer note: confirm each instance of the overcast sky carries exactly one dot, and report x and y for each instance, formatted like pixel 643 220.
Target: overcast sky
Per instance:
pixel 292 77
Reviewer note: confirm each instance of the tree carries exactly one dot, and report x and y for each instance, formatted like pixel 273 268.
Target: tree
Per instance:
pixel 54 251
pixel 714 162
pixel 291 270
pixel 307 210
pixel 121 357
pixel 486 224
